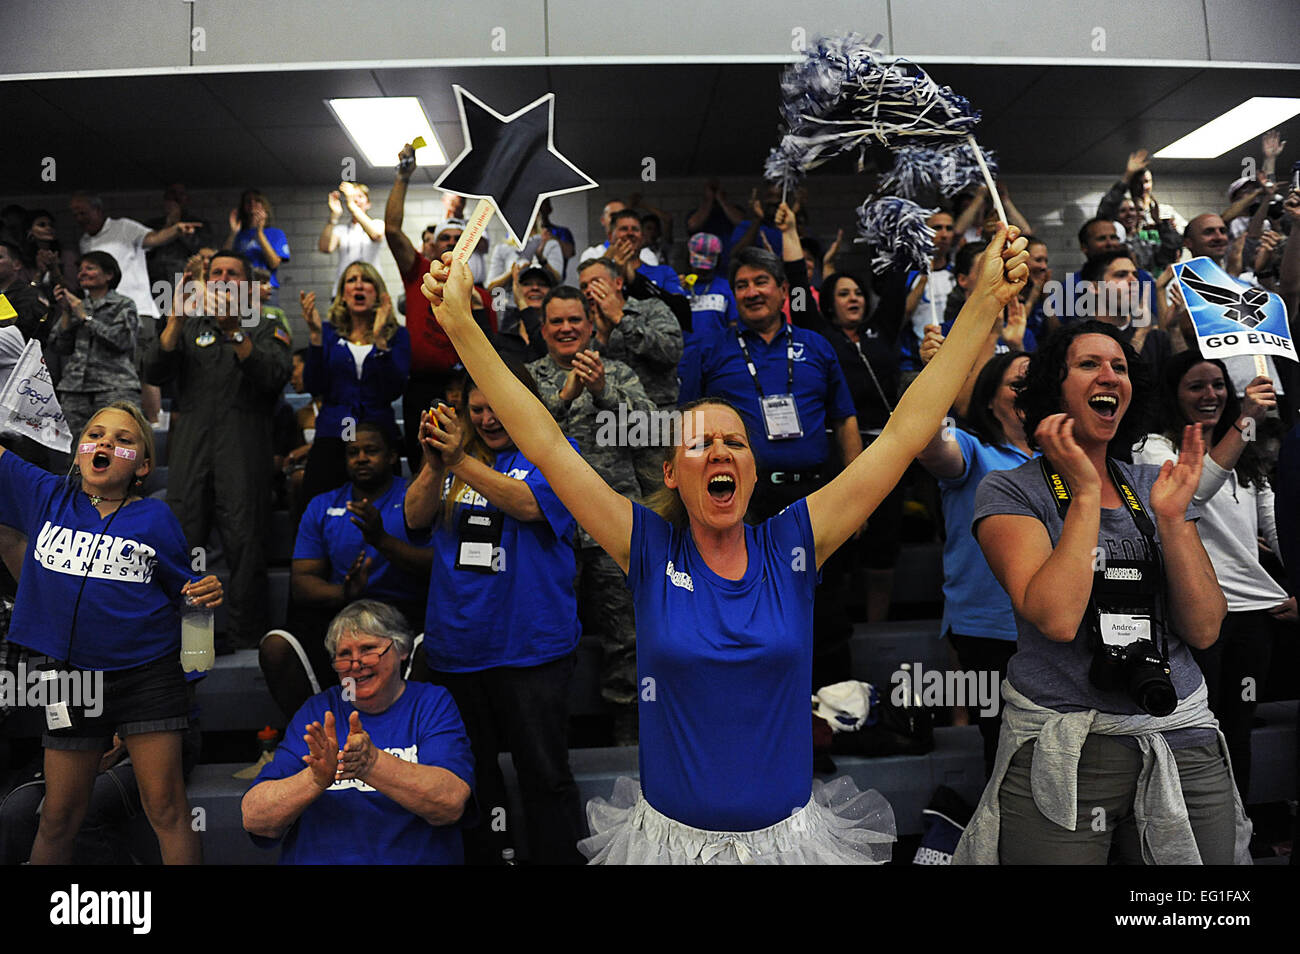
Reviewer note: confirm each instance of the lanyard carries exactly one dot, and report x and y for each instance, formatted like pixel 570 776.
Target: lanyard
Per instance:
pixel 789 360
pixel 874 380
pixel 1141 519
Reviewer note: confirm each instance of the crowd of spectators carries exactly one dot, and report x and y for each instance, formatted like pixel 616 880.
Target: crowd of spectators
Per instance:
pixel 741 306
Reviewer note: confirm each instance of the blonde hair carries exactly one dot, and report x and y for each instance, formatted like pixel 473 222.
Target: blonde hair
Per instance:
pixel 141 425
pixel 665 500
pixel 472 442
pixel 340 317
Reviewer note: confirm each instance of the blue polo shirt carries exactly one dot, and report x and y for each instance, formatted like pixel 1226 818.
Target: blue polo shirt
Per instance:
pixel 524 612
pixel 327 532
pixel 246 243
pixel 820 392
pixel 974 602
pixel 351 823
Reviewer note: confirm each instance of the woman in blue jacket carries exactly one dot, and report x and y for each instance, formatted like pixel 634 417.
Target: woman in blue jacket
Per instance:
pixel 357 363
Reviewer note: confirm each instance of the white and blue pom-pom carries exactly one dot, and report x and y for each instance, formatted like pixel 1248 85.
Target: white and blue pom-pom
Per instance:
pixel 786 163
pixel 897 230
pixel 916 173
pixel 959 169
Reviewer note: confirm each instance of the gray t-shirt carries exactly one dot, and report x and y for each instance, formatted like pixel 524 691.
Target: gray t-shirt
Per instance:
pixel 1055 675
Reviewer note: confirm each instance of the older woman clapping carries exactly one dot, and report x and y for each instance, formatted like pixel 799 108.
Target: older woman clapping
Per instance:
pixel 388 767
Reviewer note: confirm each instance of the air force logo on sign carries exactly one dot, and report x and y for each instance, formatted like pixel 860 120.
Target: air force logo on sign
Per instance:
pixel 1232 317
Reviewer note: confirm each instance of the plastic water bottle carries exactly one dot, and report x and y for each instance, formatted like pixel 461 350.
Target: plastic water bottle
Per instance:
pixel 196 637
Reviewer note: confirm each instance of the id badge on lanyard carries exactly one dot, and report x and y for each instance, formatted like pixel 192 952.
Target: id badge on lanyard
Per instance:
pixel 479 538
pixel 781 417
pixel 1124 596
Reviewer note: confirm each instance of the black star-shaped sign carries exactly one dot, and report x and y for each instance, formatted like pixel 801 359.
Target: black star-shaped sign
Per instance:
pixel 511 160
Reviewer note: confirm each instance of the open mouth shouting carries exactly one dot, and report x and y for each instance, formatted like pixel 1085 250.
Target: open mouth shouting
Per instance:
pixel 722 488
pixel 1105 405
pixel 100 461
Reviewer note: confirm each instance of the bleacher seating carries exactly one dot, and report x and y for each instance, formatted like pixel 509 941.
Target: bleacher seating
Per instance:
pixel 907 781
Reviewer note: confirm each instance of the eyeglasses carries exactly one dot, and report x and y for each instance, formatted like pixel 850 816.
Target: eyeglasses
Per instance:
pixel 366 660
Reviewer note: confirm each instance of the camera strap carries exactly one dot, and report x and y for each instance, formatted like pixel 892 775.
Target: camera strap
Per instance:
pixel 1060 491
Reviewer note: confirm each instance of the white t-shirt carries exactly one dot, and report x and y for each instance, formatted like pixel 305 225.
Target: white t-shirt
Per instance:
pixel 599 251
pixel 354 246
pixel 124 240
pixel 937 289
pixel 1232 517
pixel 505 255
pixel 359 352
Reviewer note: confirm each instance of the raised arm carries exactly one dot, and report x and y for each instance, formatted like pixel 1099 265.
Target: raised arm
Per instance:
pixel 604 513
pixel 394 211
pixel 844 504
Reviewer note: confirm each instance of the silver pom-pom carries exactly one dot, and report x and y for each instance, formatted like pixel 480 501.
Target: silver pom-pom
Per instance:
pixel 897 230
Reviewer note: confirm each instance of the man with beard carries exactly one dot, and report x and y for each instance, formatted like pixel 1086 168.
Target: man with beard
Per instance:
pixel 352 544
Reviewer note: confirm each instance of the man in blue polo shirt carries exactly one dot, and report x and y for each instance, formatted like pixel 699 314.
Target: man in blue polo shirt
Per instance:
pixel 787 384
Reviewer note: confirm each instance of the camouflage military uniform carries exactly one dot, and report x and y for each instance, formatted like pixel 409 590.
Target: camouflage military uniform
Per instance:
pixel 649 341
pixel 99 365
pixel 220 457
pixel 604 602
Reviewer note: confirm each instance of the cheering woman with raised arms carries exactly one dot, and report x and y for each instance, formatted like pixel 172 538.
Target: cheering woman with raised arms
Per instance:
pixel 724 610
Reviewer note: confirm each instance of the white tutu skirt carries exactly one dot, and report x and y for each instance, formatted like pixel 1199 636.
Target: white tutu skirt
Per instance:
pixel 839 826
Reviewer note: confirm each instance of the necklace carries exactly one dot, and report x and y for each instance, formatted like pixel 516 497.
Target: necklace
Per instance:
pixel 96 500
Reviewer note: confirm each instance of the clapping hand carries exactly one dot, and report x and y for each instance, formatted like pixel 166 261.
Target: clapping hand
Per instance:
pixel 1055 437
pixel 359 754
pixel 1173 489
pixel 590 371
pixel 322 752
pixel 358 575
pixel 366 518
pixel 441 437
pixel 309 313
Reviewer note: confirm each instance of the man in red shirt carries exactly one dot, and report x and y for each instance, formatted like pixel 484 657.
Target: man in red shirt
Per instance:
pixel 434 362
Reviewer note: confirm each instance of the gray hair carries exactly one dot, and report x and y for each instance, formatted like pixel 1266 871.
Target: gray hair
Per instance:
pixel 604 262
pixel 91 199
pixel 372 618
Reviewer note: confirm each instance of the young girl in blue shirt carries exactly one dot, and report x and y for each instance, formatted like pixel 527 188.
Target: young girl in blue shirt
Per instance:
pixel 102 583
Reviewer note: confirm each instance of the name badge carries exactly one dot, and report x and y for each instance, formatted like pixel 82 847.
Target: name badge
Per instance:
pixel 781 417
pixel 56 713
pixel 1120 629
pixel 479 538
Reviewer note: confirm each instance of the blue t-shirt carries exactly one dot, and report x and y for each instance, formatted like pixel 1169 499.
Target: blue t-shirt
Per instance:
pixel 352 823
pixel 129 611
pixel 724 669
pixel 525 611
pixel 718 369
pixel 713 308
pixel 663 276
pixel 247 244
pixel 770 232
pixel 974 603
pixel 327 532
